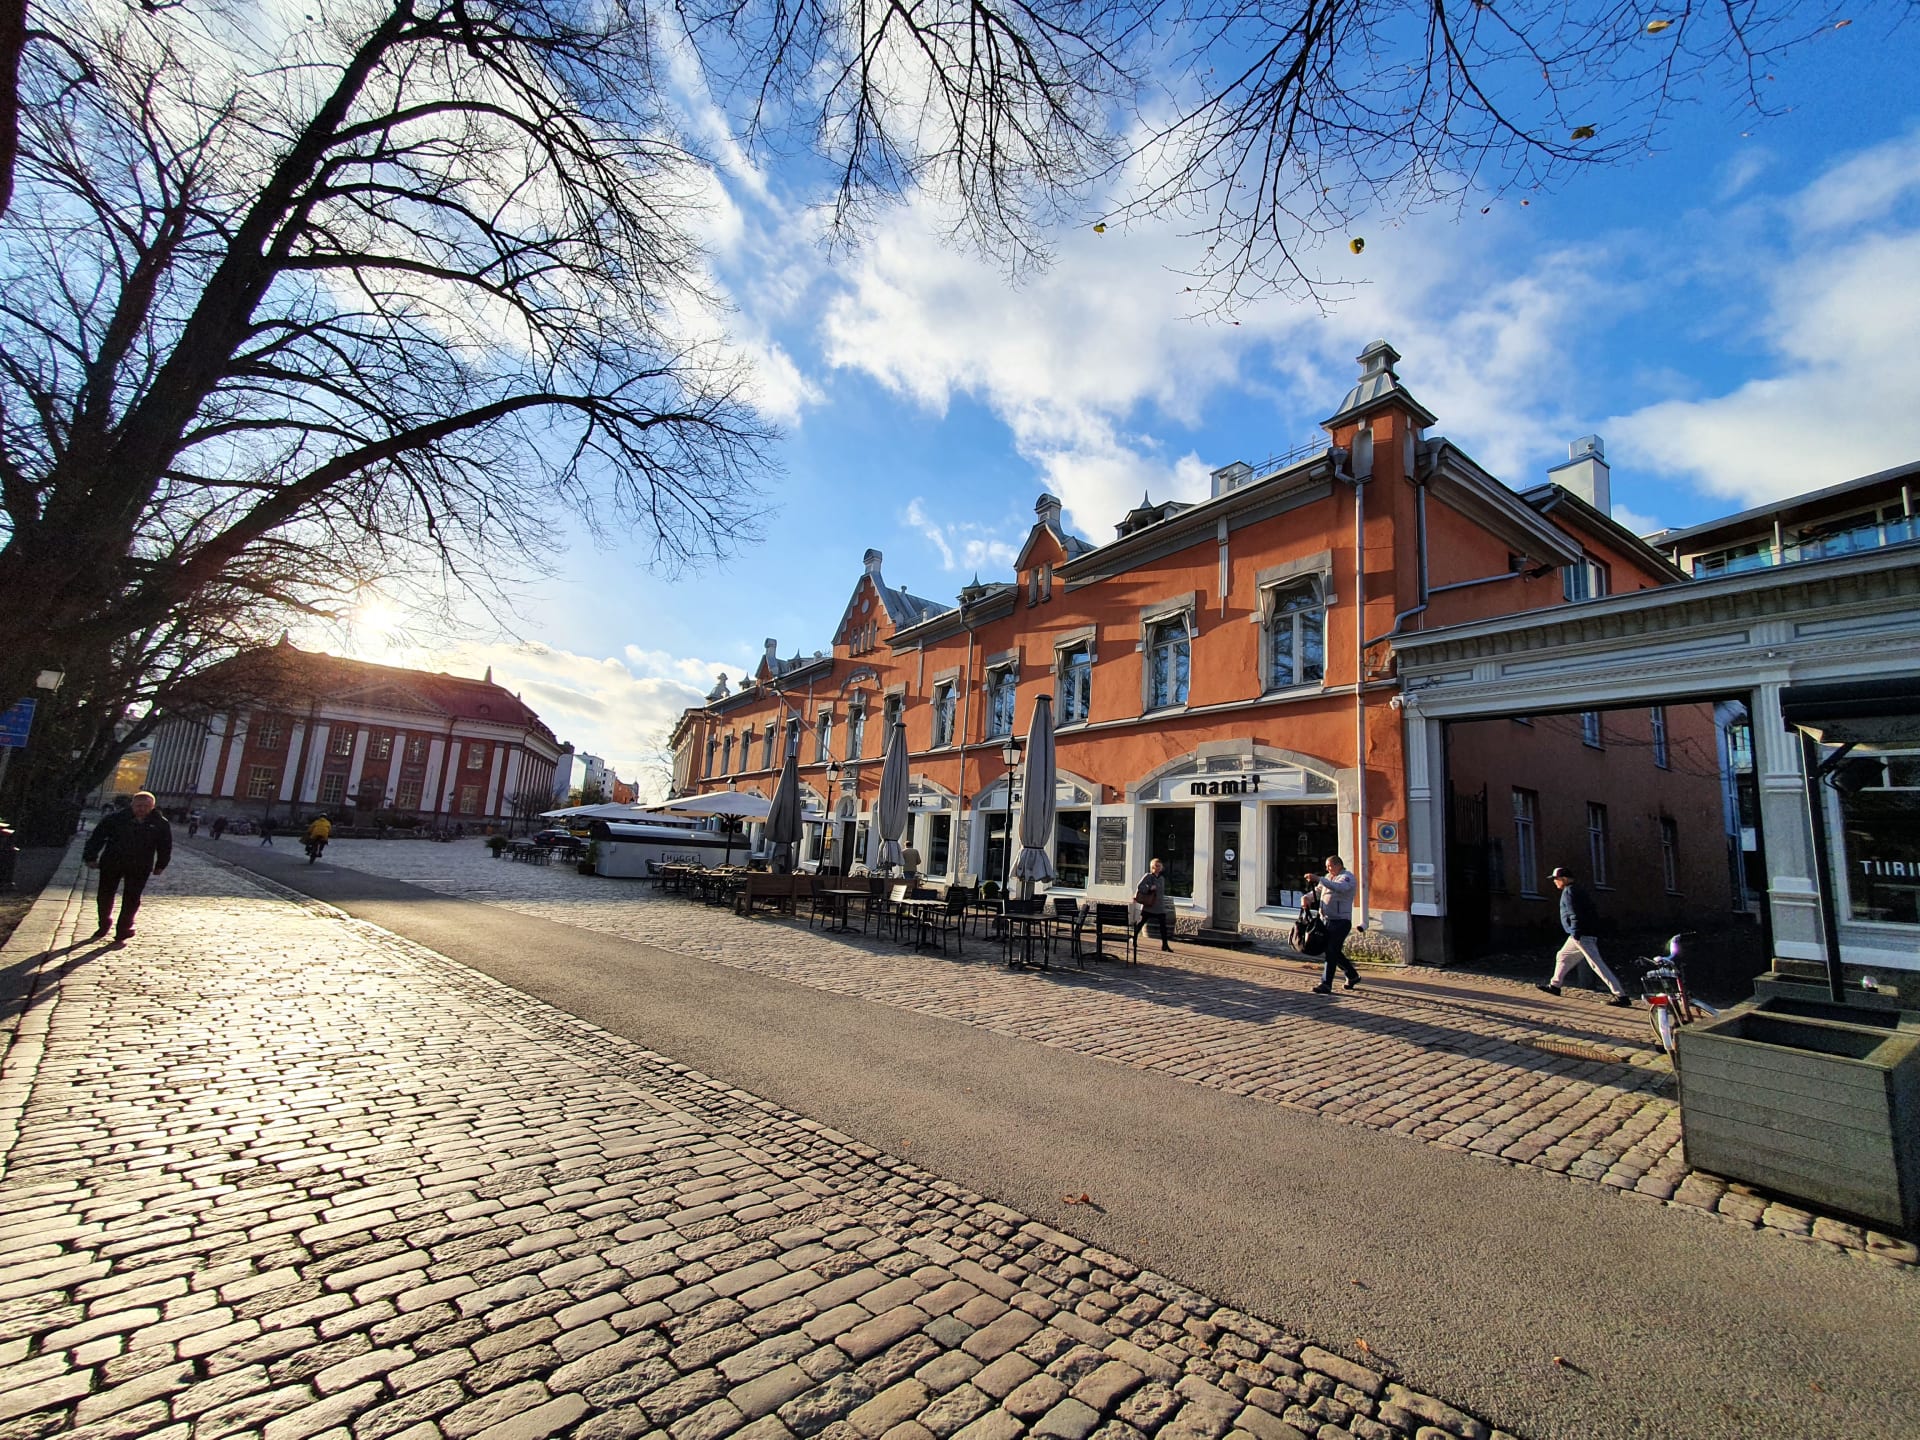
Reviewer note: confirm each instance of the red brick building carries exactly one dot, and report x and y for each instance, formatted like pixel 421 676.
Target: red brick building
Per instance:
pixel 290 732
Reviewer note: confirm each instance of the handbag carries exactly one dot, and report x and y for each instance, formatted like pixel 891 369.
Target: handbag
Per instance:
pixel 1310 936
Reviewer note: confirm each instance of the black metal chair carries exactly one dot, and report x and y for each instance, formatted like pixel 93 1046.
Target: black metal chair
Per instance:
pixel 1066 922
pixel 1119 917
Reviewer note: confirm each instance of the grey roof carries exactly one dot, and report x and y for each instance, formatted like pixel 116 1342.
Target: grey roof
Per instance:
pixel 1807 500
pixel 907 608
pixel 1377 383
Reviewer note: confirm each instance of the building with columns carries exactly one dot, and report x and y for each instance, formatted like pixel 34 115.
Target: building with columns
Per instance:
pixel 1225 691
pixel 288 732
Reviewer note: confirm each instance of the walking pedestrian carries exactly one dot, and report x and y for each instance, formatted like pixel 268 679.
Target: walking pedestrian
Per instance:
pixel 266 830
pixel 127 848
pixel 1336 889
pixel 1151 896
pixel 1579 919
pixel 219 826
pixel 193 823
pixel 910 865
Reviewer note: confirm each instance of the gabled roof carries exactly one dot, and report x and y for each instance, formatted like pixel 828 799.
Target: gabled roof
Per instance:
pixel 1556 500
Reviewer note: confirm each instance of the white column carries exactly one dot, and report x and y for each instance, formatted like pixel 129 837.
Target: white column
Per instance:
pixel 209 774
pixel 490 802
pixel 433 782
pixel 451 787
pixel 510 785
pixel 296 761
pixel 235 749
pixel 360 742
pixel 315 762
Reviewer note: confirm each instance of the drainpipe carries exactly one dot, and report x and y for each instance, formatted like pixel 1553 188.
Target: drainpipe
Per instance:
pixel 1363 859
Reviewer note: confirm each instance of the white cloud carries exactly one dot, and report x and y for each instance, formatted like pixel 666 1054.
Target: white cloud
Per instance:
pixel 1639 524
pixel 964 545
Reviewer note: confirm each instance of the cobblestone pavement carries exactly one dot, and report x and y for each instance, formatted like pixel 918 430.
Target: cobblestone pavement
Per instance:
pixel 336 1185
pixel 1485 1066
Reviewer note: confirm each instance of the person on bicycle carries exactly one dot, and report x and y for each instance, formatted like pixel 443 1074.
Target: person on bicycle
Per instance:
pixel 1579 919
pixel 321 829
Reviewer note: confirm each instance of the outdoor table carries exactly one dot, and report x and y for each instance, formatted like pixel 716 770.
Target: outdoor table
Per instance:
pixel 1021 932
pixel 923 913
pixel 842 900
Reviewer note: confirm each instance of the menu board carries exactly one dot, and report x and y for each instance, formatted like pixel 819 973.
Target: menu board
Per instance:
pixel 1110 850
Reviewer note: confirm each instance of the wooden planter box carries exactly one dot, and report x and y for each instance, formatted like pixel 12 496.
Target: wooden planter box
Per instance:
pixel 1822 1105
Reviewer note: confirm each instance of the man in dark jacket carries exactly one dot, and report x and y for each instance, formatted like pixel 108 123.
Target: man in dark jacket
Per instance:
pixel 1579 920
pixel 127 847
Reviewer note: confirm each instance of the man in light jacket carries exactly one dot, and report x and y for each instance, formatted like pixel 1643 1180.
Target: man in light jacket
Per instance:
pixel 1335 889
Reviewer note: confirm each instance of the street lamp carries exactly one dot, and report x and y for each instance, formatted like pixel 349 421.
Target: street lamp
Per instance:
pixel 833 781
pixel 1009 752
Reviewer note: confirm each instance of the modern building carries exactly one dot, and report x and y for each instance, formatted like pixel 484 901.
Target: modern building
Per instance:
pixel 1223 679
pixel 285 731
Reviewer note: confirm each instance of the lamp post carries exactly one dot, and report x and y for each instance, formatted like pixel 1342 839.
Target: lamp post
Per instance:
pixel 833 782
pixel 1009 752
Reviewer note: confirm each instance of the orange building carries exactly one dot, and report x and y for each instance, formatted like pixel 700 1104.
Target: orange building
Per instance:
pixel 1222 673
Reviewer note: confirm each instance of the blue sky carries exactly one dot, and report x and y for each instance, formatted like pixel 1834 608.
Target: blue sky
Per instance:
pixel 1735 314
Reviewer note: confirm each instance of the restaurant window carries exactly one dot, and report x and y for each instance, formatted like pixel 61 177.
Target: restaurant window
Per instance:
pixel 1296 635
pixel 1002 689
pixel 811 849
pixel 1597 845
pixel 1657 722
pixel 1169 662
pixel 1590 732
pixel 341 742
pixel 469 799
pixel 1170 839
pixel 1299 839
pixel 269 733
pixel 1526 840
pixel 1072 849
pixel 996 857
pixel 856 731
pixel 823 736
pixel 261 780
pixel 939 843
pixel 333 786
pixel 416 749
pixel 1670 853
pixel 943 705
pixel 859 855
pixel 381 747
pixel 476 756
pixel 1878 801
pixel 1076 682
pixel 408 796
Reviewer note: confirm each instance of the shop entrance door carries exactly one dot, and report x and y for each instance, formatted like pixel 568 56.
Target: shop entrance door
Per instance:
pixel 1226 867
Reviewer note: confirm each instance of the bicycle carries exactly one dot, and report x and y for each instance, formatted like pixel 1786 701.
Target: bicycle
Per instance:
pixel 1663 985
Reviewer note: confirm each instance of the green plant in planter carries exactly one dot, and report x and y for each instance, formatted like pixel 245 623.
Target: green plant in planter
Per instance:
pixel 496 843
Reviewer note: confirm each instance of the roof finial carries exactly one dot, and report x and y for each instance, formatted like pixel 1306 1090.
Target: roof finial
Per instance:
pixel 489 675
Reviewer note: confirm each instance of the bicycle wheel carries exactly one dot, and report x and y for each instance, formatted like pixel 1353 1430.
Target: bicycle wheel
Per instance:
pixel 1663 1029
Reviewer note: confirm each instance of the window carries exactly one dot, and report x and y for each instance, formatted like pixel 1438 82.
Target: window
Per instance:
pixel 469 799
pixel 811 848
pixel 890 716
pixel 823 736
pixel 381 747
pixel 1496 865
pixel 1076 682
pixel 1597 844
pixel 340 742
pixel 1072 849
pixel 1170 837
pixel 269 733
pixel 856 730
pixel 773 761
pixel 261 781
pixel 1590 733
pixel 1526 840
pixel 1296 635
pixel 1002 689
pixel 859 855
pixel 416 749
pixel 996 858
pixel 1169 662
pixel 1670 853
pixel 1878 828
pixel 939 843
pixel 476 756
pixel 1657 720
pixel 1756 556
pixel 1299 839
pixel 333 786
pixel 726 756
pixel 793 737
pixel 1585 579
pixel 713 755
pixel 408 795
pixel 943 705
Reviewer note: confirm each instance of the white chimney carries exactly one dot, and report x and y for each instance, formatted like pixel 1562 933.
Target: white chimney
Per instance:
pixel 1231 477
pixel 1585 473
pixel 872 561
pixel 1047 507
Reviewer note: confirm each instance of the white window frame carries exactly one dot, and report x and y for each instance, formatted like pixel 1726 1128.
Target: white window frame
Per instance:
pixel 1526 840
pixel 341 741
pixel 1585 579
pixel 823 737
pixel 1063 674
pixel 1172 632
pixel 946 699
pixel 1599 846
pixel 1592 732
pixel 726 756
pixel 1002 679
pixel 1657 725
pixel 1273 619
pixel 1670 853
pixel 856 729
pixel 333 787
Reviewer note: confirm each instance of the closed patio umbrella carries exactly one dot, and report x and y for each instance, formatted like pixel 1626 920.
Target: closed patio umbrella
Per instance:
pixel 783 820
pixel 890 811
pixel 1036 800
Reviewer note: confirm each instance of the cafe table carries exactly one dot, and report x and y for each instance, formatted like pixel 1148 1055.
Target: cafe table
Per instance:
pixel 841 898
pixel 1025 933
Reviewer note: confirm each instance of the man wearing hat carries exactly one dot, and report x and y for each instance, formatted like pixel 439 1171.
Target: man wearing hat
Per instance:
pixel 1578 919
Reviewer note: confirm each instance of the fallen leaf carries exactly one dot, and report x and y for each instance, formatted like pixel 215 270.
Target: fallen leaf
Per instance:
pixel 1356 244
pixel 1559 1360
pixel 1583 132
pixel 1654 27
pixel 1081 1199
pixel 1841 24
pixel 1101 228
pixel 1363 1347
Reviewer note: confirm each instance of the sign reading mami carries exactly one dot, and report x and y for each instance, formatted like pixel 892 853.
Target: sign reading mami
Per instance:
pixel 1239 785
